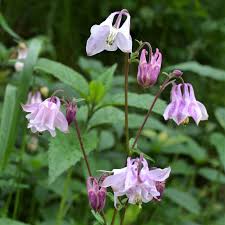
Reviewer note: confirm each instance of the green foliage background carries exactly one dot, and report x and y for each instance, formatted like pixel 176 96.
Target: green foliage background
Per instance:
pixel 191 36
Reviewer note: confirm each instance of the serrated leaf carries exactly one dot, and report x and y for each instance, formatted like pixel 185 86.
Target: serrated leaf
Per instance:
pixel 140 101
pixel 106 115
pixel 65 74
pixel 218 140
pixel 8 123
pixel 220 116
pixel 212 175
pixel 202 70
pixel 64 151
pixel 6 221
pixel 183 199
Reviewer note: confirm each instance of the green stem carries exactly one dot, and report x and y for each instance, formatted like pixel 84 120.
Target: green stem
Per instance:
pixel 126 71
pixel 124 213
pixel 60 213
pixel 163 86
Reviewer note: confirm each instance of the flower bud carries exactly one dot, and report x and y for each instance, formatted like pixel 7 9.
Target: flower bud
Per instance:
pixel 148 72
pixel 160 186
pixel 177 73
pixel 96 194
pixel 71 110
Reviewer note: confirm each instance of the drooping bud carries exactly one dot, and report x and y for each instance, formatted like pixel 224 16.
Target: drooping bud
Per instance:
pixel 177 73
pixel 71 110
pixel 22 54
pixel 148 72
pixel 96 194
pixel 160 186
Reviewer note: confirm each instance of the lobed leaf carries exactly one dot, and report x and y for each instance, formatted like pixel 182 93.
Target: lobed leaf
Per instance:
pixel 64 74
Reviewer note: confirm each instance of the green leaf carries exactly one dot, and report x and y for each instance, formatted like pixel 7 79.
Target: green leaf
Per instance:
pixel 140 101
pixel 107 115
pixel 8 123
pixel 220 116
pixel 212 175
pixel 183 199
pixel 34 50
pixel 218 140
pixel 65 74
pixel 202 70
pixel 64 151
pixel 182 167
pixel 98 217
pixel 7 28
pixel 107 140
pixel 6 221
pixel 96 91
pixel 107 77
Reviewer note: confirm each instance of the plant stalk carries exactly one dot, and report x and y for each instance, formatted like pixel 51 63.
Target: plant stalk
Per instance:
pixel 113 217
pixel 126 71
pixel 82 147
pixel 163 86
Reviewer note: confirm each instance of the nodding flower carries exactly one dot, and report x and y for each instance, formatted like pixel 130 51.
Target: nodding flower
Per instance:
pixel 148 72
pixel 184 105
pixel 71 111
pixel 96 194
pixel 46 115
pixel 137 181
pixel 110 36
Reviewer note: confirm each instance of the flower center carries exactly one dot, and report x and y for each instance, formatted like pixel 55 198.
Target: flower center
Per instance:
pixel 185 121
pixel 112 35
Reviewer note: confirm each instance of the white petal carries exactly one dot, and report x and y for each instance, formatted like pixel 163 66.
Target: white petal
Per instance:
pixel 61 122
pixel 124 43
pixel 109 20
pixel 205 115
pixel 96 43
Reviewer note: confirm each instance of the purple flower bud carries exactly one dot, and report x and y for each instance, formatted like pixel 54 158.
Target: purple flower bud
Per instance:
pixel 71 111
pixel 160 186
pixel 177 73
pixel 148 72
pixel 96 194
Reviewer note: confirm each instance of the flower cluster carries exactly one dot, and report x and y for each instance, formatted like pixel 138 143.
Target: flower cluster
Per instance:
pixel 137 181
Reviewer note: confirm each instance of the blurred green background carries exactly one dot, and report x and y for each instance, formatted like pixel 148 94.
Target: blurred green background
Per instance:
pixel 191 36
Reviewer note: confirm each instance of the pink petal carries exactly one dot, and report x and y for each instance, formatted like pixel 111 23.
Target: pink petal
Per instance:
pixel 159 174
pixel 61 122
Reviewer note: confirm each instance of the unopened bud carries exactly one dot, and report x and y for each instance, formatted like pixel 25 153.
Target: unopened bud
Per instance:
pixel 177 73
pixel 71 111
pixel 96 194
pixel 44 91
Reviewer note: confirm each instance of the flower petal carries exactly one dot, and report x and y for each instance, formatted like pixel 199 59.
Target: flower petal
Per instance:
pixel 159 174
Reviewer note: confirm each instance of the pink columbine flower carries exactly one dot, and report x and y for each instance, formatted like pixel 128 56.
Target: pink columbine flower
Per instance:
pixel 110 36
pixel 148 72
pixel 136 181
pixel 22 54
pixel 96 194
pixel 46 116
pixel 184 105
pixel 34 97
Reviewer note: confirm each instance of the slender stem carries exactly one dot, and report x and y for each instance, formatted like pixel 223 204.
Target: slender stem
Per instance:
pixel 124 213
pixel 82 147
pixel 60 214
pixel 114 216
pixel 163 86
pixel 126 71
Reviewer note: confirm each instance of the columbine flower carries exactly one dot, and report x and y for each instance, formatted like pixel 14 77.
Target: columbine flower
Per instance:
pixel 71 110
pixel 96 194
pixel 148 72
pixel 136 181
pixel 109 36
pixel 34 97
pixel 184 105
pixel 46 116
pixel 22 54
